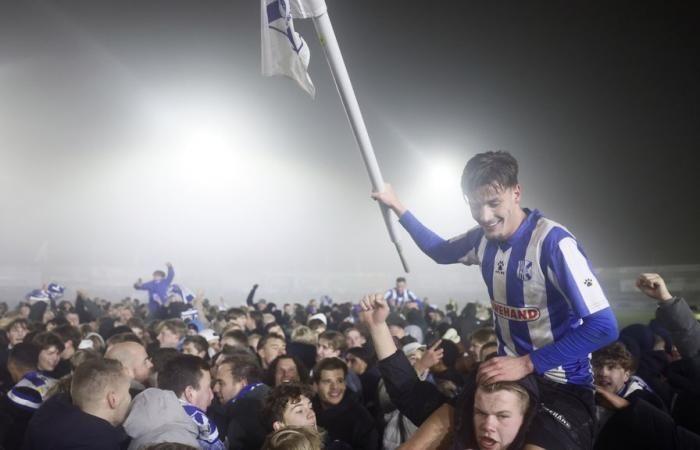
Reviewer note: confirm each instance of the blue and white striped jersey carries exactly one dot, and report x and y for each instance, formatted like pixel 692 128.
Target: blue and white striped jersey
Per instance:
pixel 400 297
pixel 540 284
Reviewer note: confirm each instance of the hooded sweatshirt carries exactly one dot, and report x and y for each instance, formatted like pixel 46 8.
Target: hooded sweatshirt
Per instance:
pixel 157 416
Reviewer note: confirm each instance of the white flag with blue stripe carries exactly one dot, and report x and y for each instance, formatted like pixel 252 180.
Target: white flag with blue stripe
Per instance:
pixel 284 51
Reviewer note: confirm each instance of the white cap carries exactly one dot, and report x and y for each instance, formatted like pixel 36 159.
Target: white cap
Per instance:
pixel 209 335
pixel 412 347
pixel 319 316
pixel 452 335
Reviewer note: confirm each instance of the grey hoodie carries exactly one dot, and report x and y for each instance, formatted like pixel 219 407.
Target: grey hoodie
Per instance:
pixel 157 416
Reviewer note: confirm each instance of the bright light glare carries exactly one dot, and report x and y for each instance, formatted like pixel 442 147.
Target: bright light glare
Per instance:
pixel 438 195
pixel 444 177
pixel 206 142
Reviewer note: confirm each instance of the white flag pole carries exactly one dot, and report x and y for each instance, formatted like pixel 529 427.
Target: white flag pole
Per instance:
pixel 324 29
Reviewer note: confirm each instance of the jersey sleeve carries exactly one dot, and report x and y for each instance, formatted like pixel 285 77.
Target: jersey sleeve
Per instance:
pixel 596 331
pixel 147 286
pixel 460 249
pixel 570 271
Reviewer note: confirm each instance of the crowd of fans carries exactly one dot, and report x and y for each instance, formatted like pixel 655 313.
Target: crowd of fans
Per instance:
pixel 390 371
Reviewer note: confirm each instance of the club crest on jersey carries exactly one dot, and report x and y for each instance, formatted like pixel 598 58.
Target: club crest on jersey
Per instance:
pixel 500 268
pixel 526 314
pixel 525 270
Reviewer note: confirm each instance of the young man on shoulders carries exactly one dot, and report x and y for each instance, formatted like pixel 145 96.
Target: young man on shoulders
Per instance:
pixel 550 311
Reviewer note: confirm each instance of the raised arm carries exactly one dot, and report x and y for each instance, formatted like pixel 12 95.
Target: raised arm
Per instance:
pixel 414 398
pixel 459 249
pixel 171 273
pixel 435 433
pixel 251 296
pixel 673 313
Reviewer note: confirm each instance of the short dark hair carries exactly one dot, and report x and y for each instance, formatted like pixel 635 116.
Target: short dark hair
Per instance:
pixel 126 336
pixel 18 321
pixel 235 313
pixel 176 326
pixel 135 322
pixel 243 365
pixel 278 398
pixel 263 340
pixel 483 335
pixel 47 339
pixel 25 354
pixel 615 354
pixel 329 364
pixel 199 342
pixel 302 370
pixel 400 280
pixel 68 333
pixel 160 358
pixel 180 372
pixel 238 335
pixel 269 326
pixel 160 273
pixel 499 169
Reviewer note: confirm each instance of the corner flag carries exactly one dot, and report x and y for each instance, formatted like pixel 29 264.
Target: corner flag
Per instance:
pixel 284 51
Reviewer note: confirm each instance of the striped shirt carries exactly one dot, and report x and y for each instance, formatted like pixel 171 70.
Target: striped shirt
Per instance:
pixel 30 392
pixel 540 284
pixel 398 298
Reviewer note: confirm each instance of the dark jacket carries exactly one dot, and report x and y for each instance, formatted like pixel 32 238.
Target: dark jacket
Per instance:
pixel 643 426
pixel 348 422
pixel 683 376
pixel 61 426
pixel 305 352
pixel 245 428
pixel 13 424
pixel 677 317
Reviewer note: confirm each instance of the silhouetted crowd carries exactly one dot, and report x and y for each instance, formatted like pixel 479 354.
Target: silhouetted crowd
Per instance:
pixel 389 371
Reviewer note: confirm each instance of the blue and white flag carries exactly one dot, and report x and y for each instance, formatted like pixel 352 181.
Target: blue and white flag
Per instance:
pixel 55 291
pixel 38 295
pixel 181 291
pixel 284 51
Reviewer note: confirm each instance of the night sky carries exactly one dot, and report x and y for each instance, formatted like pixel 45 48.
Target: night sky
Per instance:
pixel 599 101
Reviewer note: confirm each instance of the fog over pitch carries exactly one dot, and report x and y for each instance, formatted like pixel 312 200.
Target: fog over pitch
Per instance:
pixel 137 133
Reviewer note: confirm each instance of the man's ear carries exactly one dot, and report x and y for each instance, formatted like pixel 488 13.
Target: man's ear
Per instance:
pixel 277 425
pixel 517 193
pixel 189 393
pixel 112 400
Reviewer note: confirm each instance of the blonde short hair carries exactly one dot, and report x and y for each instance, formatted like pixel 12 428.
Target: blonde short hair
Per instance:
pixel 305 335
pixel 93 378
pixel 510 386
pixel 301 438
